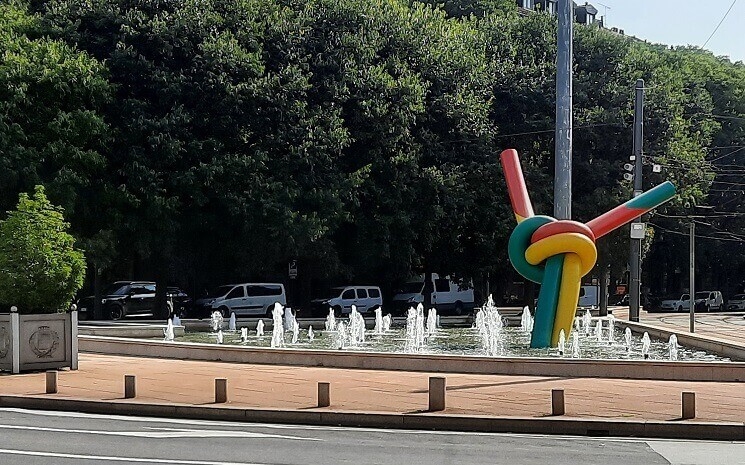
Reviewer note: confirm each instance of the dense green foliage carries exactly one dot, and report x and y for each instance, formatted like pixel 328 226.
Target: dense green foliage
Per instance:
pixel 224 137
pixel 40 269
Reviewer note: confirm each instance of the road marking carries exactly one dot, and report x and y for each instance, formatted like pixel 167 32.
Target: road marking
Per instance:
pixel 119 459
pixel 166 434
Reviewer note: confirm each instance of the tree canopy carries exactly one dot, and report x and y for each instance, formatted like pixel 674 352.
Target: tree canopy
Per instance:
pixel 198 142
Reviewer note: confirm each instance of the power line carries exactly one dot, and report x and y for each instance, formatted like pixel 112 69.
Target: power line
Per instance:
pixel 698 236
pixel 720 23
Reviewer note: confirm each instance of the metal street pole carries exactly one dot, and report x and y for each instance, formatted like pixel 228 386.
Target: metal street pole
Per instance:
pixel 636 244
pixel 692 277
pixel 563 156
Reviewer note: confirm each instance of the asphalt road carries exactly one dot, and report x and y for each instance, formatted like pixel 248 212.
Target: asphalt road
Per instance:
pixel 37 437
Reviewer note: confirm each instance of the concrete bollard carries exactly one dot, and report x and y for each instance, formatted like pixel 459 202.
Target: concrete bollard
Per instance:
pixel 324 398
pixel 557 402
pixel 436 393
pixel 689 406
pixel 130 388
pixel 52 382
pixel 221 390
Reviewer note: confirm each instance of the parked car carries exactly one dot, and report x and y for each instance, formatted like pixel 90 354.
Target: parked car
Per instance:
pixel 705 301
pixel 245 299
pixel 124 298
pixel 365 298
pixel 447 296
pixel 736 303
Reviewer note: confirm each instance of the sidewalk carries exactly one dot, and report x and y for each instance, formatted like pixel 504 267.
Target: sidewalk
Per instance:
pixel 728 326
pixel 101 378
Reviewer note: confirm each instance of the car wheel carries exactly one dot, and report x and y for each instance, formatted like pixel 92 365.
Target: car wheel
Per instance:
pixel 680 309
pixel 269 311
pixel 337 311
pixel 116 312
pixel 224 311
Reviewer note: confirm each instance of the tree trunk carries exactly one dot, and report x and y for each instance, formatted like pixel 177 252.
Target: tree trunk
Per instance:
pixel 427 291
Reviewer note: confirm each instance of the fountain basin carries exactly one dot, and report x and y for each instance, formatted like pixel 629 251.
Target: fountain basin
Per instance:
pixel 429 363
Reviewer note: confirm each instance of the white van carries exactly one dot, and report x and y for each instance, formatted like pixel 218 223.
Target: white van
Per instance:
pixel 447 296
pixel 589 296
pixel 245 299
pixel 341 299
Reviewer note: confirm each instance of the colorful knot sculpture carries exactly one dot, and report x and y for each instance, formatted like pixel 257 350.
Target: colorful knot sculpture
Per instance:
pixel 557 253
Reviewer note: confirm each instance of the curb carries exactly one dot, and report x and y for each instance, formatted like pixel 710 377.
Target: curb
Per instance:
pixel 721 431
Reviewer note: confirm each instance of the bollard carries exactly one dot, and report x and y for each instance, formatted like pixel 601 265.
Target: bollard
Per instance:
pixel 130 390
pixel 221 390
pixel 52 382
pixel 557 402
pixel 324 398
pixel 436 393
pixel 689 406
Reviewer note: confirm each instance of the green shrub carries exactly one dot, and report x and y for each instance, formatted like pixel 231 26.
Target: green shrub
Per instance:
pixel 40 269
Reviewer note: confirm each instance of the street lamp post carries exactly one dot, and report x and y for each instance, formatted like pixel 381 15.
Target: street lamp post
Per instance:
pixel 692 277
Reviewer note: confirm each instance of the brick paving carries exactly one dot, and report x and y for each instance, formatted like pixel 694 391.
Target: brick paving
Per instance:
pixel 101 377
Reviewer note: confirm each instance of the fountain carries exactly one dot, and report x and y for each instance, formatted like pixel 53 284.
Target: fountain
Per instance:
pixel 489 326
pixel 260 328
pixel 611 328
pixel 231 323
pixel 311 336
pixel 673 347
pixel 331 321
pixel 278 337
pixel 587 322
pixel 244 335
pixel 216 321
pixel 387 320
pixel 295 332
pixel 378 321
pixel 562 342
pixel 645 345
pixel 415 329
pixel 356 326
pixel 289 319
pixel 219 336
pixel 341 335
pixel 575 345
pixel 599 330
pixel 627 338
pixel 176 320
pixel 526 320
pixel 431 322
pixel 168 332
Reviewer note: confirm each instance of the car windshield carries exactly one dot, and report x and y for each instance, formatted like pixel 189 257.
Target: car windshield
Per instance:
pixel 414 287
pixel 117 289
pixel 219 291
pixel 332 293
pixel 702 295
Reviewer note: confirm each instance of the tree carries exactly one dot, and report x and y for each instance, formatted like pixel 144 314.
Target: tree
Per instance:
pixel 40 268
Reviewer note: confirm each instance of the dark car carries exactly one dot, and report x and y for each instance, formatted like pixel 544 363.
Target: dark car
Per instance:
pixel 124 298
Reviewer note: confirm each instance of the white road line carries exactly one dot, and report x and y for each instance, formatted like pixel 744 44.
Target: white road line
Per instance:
pixel 119 459
pixel 168 433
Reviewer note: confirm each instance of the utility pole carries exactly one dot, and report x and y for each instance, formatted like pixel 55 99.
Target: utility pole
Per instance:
pixel 692 277
pixel 636 227
pixel 563 156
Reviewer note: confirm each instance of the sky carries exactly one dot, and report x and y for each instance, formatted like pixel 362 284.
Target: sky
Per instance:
pixel 680 22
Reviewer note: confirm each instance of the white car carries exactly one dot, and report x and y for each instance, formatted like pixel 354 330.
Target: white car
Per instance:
pixel 365 299
pixel 705 301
